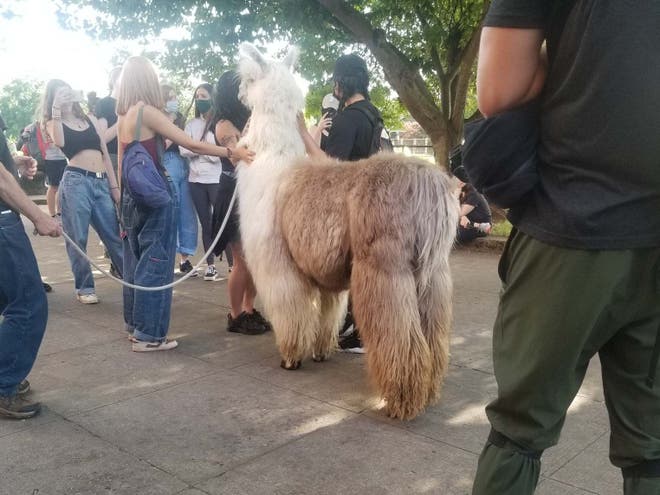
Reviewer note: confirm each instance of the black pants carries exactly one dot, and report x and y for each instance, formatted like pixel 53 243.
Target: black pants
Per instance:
pixel 204 197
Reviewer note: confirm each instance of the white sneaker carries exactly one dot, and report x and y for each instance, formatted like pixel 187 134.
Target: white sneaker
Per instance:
pixel 211 274
pixel 88 298
pixel 165 345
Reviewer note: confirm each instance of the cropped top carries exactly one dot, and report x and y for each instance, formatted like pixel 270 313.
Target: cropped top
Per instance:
pixel 77 141
pixel 151 145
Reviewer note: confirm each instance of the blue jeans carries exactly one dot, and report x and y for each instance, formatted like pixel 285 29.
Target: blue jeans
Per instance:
pixel 84 201
pixel 23 305
pixel 149 255
pixel 186 221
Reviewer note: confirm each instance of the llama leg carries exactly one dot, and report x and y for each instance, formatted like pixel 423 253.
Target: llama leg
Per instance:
pixel 333 309
pixel 435 310
pixel 398 357
pixel 290 307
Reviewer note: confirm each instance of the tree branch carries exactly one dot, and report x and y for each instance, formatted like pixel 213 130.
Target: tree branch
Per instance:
pixel 400 72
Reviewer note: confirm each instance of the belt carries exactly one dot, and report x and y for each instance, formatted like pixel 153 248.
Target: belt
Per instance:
pixel 88 173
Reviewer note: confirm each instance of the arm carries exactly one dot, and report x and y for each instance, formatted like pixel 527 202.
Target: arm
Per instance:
pixel 12 194
pixel 107 133
pixel 466 209
pixel 159 123
pixel 112 179
pixel 311 146
pixel 185 152
pixel 512 68
pixel 54 126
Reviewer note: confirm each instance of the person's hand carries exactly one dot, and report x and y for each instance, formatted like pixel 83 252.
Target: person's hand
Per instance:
pixel 49 226
pixel 114 192
pixel 464 221
pixel 27 166
pixel 62 97
pixel 325 123
pixel 243 154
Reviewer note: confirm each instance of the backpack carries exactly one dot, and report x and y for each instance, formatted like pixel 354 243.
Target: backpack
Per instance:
pixel 142 178
pixel 33 143
pixel 380 139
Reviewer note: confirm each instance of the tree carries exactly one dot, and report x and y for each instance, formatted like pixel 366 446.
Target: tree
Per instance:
pixel 393 112
pixel 426 48
pixel 19 100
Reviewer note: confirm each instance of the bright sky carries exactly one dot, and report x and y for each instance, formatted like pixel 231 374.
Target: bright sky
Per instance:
pixel 33 45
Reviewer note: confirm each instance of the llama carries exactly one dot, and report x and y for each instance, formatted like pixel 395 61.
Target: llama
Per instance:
pixel 313 229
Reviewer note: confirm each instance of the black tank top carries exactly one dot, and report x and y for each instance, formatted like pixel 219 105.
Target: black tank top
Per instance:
pixel 77 141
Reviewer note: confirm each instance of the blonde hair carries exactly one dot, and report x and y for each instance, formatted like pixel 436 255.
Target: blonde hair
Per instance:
pixel 138 82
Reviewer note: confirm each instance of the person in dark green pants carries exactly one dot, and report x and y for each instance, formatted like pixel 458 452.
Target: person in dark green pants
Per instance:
pixel 581 269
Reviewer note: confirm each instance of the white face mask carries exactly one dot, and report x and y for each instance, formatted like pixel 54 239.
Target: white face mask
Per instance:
pixel 172 106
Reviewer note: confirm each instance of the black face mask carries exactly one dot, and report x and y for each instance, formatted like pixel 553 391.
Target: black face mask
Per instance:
pixel 202 106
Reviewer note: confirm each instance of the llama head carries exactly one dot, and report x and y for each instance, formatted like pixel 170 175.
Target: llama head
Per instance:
pixel 268 86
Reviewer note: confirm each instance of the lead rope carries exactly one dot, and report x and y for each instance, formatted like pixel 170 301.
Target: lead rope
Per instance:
pixel 162 287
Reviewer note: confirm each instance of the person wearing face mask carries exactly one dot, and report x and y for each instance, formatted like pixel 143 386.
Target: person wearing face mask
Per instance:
pixel 205 171
pixel 178 168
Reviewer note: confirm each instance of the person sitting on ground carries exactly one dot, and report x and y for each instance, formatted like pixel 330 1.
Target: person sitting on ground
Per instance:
pixel 476 219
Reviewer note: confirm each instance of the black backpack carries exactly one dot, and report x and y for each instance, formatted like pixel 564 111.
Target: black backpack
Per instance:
pixel 380 139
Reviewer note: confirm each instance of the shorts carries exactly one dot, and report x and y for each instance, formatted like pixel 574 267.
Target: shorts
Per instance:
pixel 54 171
pixel 231 234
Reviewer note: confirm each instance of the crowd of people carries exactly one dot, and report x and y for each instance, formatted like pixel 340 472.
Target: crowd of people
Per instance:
pixel 580 271
pixel 84 155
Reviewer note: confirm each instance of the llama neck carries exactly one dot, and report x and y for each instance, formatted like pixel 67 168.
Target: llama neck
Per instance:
pixel 274 135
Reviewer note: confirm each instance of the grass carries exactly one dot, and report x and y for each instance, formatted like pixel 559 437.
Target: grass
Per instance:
pixel 501 229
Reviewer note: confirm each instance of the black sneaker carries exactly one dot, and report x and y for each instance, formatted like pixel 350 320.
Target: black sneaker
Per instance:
pixel 185 267
pixel 16 407
pixel 23 387
pixel 245 324
pixel 351 343
pixel 261 320
pixel 211 274
pixel 47 287
pixel 114 272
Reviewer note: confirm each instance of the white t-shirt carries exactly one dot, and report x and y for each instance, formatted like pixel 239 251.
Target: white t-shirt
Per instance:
pixel 204 169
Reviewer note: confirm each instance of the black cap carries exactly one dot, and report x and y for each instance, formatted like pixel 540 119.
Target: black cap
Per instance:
pixel 350 65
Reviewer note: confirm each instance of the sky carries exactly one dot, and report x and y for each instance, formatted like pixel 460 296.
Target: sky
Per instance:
pixel 33 45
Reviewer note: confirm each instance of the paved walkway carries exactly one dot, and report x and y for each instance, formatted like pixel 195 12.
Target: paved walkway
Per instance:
pixel 218 415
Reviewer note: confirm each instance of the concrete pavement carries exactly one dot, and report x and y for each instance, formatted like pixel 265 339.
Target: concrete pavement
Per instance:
pixel 219 416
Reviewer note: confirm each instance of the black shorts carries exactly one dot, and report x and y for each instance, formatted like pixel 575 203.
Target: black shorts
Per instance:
pixel 54 171
pixel 231 233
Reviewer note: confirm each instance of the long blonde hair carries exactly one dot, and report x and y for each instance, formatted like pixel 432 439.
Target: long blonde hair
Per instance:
pixel 138 82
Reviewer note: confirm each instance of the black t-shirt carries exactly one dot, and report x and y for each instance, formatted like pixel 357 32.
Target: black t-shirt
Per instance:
pixel 106 108
pixel 8 161
pixel 481 212
pixel 351 133
pixel 600 124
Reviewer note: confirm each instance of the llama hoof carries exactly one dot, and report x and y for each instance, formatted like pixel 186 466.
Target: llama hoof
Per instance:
pixel 290 365
pixel 319 358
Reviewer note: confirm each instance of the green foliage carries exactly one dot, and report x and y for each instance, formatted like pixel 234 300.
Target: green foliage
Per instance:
pixel 393 112
pixel 19 100
pixel 501 229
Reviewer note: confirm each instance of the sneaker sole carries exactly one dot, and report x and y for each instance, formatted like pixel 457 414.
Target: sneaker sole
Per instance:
pixel 138 347
pixel 353 350
pixel 88 302
pixel 18 415
pixel 210 279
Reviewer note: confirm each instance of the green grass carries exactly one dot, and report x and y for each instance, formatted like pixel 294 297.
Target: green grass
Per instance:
pixel 501 229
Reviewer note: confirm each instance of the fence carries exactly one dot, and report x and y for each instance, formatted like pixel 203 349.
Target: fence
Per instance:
pixel 420 147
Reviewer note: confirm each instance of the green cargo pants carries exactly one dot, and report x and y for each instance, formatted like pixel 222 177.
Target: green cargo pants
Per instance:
pixel 558 308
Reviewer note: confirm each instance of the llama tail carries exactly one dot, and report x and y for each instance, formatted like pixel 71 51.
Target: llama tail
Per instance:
pixel 398 355
pixel 435 220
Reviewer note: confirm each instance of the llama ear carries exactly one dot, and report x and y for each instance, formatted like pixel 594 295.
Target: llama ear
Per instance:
pixel 249 50
pixel 291 57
